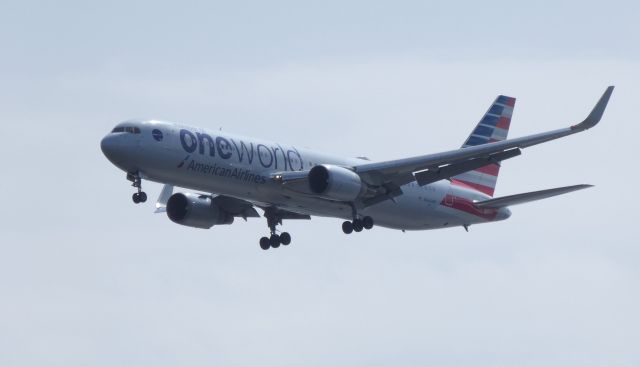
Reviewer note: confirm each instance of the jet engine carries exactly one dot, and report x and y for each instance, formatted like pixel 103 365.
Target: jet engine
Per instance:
pixel 195 210
pixel 335 182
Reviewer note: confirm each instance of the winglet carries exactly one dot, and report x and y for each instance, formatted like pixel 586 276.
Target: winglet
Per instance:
pixel 596 114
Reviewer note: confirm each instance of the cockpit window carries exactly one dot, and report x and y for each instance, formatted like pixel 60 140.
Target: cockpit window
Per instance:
pixel 128 129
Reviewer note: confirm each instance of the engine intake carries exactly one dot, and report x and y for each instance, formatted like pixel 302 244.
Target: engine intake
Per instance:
pixel 335 182
pixel 197 211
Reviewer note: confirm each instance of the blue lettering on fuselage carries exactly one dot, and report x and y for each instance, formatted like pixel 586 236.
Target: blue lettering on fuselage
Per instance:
pixel 204 139
pixel 242 150
pixel 188 141
pixel 295 152
pixel 224 147
pixel 275 157
pixel 263 154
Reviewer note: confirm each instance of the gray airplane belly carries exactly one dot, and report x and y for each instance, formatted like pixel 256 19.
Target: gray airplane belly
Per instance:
pixel 402 214
pixel 418 208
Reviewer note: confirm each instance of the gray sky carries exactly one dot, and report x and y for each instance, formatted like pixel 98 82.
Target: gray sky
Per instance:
pixel 87 278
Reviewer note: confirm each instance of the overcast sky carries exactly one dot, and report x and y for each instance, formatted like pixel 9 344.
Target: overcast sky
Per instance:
pixel 89 279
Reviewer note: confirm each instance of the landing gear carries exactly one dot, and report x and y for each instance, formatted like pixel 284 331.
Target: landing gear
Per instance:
pixel 275 240
pixel 140 196
pixel 357 225
pixel 264 243
pixel 367 222
pixel 285 238
pixel 347 227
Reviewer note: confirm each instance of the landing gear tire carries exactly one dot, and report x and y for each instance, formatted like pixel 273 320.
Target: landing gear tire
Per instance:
pixel 367 222
pixel 265 243
pixel 274 241
pixel 357 225
pixel 347 227
pixel 274 218
pixel 285 238
pixel 139 197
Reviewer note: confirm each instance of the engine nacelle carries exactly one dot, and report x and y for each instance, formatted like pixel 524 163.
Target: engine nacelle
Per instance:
pixel 335 182
pixel 194 210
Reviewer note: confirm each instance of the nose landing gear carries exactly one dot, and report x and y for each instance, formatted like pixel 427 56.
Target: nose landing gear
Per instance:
pixel 140 196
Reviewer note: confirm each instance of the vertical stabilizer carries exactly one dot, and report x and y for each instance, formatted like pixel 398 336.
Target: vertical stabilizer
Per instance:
pixel 493 127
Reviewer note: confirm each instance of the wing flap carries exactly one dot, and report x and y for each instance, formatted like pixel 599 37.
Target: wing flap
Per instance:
pixel 528 196
pixel 281 214
pixel 446 172
pixel 236 207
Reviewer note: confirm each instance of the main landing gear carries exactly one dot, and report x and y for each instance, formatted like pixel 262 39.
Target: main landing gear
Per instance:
pixel 275 240
pixel 140 196
pixel 357 225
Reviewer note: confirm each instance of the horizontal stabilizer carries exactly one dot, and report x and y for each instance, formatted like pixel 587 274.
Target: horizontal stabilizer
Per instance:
pixel 527 197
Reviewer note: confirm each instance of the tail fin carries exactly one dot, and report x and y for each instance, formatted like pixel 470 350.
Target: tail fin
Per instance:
pixel 494 126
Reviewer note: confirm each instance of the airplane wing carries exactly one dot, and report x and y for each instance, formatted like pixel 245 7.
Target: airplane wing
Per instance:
pixel 281 214
pixel 245 209
pixel 384 179
pixel 429 168
pixel 235 207
pixel 231 205
pixel 165 194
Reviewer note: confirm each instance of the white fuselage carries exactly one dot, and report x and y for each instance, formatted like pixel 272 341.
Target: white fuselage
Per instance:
pixel 226 164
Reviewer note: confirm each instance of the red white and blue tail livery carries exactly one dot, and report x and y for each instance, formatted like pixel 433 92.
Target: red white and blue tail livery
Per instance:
pixel 494 126
pixel 235 175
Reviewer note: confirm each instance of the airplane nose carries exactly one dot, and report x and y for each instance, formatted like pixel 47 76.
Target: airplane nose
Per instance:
pixel 109 147
pixel 114 149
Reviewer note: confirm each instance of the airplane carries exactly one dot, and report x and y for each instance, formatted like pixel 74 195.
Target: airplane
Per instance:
pixel 233 175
